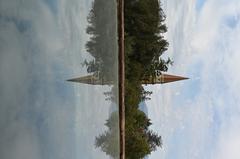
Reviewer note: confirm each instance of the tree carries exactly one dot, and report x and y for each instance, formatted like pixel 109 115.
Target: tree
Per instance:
pixel 158 65
pixel 144 45
pixel 102 45
pixel 145 95
pixel 109 140
pixel 154 140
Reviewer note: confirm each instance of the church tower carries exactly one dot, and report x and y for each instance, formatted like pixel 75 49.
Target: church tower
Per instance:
pixel 159 78
pixel 92 80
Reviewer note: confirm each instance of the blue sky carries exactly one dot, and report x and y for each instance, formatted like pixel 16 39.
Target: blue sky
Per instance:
pixel 199 4
pixel 199 118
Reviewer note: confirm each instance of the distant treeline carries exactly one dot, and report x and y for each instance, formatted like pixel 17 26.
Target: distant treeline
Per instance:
pixel 144 45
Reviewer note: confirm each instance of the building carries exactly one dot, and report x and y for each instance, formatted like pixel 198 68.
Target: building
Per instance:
pixel 159 78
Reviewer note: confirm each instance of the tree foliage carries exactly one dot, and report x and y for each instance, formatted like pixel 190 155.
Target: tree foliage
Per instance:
pixel 144 45
pixel 109 140
pixel 102 28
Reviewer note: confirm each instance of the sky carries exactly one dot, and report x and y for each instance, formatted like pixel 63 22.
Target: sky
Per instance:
pixel 200 118
pixel 42 116
pixel 42 44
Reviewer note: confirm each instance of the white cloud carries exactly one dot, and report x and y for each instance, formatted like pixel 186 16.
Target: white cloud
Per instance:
pixel 39 50
pixel 229 141
pixel 197 123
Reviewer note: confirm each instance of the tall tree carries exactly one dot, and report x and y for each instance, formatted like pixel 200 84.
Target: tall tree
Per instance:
pixel 144 45
pixel 109 140
pixel 102 45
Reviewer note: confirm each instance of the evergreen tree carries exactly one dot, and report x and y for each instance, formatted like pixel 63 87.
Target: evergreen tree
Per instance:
pixel 144 45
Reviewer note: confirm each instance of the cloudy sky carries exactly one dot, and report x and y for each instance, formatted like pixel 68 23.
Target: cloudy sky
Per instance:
pixel 42 116
pixel 200 118
pixel 42 44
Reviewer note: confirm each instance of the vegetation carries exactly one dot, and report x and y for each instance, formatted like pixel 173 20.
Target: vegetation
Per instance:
pixel 144 45
pixel 103 41
pixel 109 140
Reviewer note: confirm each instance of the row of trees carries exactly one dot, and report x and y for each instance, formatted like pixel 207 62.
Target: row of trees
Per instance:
pixel 102 28
pixel 144 45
